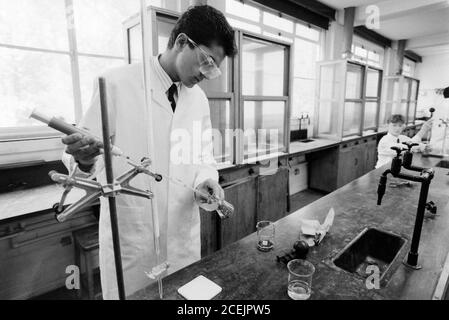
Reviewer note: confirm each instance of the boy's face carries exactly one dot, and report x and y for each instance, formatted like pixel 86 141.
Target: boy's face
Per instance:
pixel 396 129
pixel 189 59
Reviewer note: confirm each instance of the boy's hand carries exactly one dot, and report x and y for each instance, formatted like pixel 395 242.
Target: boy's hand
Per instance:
pixel 209 187
pixel 83 149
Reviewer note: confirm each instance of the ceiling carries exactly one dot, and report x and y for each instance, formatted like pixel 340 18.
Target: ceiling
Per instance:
pixel 424 23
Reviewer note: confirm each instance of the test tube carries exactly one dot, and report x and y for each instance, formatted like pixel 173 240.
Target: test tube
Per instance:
pixel 64 127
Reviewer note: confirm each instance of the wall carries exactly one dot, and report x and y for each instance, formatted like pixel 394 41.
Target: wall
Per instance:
pixel 433 73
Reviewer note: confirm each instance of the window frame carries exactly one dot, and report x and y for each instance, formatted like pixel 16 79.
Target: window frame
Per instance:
pixel 241 158
pixel 18 138
pixel 364 99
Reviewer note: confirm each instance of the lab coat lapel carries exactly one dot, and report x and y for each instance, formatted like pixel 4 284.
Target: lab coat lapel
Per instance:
pixel 159 96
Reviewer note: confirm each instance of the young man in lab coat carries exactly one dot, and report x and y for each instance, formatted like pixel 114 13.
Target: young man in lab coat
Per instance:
pixel 396 125
pixel 200 41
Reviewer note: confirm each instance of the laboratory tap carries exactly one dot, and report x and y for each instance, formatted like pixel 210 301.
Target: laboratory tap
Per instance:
pixel 425 177
pixel 407 158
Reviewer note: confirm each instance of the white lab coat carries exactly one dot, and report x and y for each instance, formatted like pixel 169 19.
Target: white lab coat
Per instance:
pixel 178 213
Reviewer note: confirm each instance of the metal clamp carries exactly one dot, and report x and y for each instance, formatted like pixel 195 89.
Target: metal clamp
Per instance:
pixel 95 190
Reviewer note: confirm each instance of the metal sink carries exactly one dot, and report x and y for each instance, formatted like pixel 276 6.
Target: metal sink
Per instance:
pixel 443 164
pixel 371 247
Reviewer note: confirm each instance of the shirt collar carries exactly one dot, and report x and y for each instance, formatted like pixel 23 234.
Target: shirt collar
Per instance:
pixel 166 81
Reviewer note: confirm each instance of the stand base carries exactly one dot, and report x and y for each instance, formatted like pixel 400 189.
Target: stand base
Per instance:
pixel 417 267
pixel 412 261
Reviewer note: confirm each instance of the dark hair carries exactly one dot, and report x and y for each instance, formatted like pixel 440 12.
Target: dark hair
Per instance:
pixel 205 25
pixel 396 118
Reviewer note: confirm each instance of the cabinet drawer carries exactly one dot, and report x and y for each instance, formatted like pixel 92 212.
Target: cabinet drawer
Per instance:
pixel 39 268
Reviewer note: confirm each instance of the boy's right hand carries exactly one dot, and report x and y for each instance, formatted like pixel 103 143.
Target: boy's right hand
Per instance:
pixel 83 149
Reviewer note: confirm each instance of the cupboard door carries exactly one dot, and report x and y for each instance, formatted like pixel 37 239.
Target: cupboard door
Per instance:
pixel 349 164
pixel 242 196
pixel 35 253
pixel 323 169
pixel 272 196
pixel 370 155
pixel 209 232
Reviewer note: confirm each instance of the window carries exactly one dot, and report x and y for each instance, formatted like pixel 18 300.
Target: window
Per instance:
pixel 372 98
pixel 306 54
pixel 241 10
pixel 362 99
pixel 348 99
pixel 49 59
pixel 399 97
pixel 366 52
pixel 264 95
pixel 408 67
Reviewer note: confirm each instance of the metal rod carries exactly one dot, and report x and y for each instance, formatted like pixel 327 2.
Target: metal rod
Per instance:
pixel 147 52
pixel 110 180
pixel 412 258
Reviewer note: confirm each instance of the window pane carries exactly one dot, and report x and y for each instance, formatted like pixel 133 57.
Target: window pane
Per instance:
pixel 405 89
pixel 243 25
pixel 99 25
pixel 328 113
pixel 413 96
pixel 306 54
pixel 242 10
pixel 307 32
pixel 411 112
pixel 385 112
pixel 360 52
pixel 34 23
pixel 354 78
pixel 34 80
pixel 262 68
pixel 164 29
pixel 135 44
pixel 90 69
pixel 303 97
pixel 370 114
pixel 173 5
pixel 277 22
pixel 331 81
pixel 400 108
pixel 267 115
pixel 372 83
pixel 220 114
pixel 352 118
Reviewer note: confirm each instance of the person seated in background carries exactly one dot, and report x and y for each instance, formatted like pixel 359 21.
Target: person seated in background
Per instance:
pixel 396 125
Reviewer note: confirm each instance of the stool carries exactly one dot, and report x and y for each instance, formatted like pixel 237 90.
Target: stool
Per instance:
pixel 86 249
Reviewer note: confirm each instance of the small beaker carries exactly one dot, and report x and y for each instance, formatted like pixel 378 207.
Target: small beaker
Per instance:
pixel 265 235
pixel 300 273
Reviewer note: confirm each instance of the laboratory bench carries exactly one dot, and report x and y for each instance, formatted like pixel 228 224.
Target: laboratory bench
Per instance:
pixel 320 165
pixel 35 248
pixel 246 273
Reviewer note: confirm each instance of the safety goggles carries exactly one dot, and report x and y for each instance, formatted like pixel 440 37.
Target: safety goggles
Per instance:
pixel 208 67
